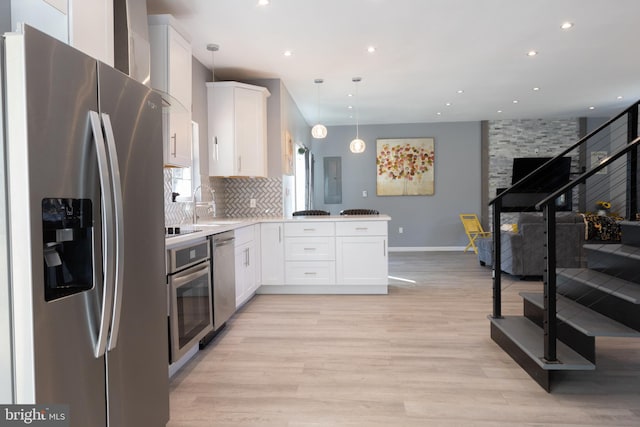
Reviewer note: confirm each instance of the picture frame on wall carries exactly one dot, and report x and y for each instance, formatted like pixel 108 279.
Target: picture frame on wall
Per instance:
pixel 287 163
pixel 405 167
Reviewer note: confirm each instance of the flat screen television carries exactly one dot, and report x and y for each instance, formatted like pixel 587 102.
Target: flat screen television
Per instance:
pixel 550 180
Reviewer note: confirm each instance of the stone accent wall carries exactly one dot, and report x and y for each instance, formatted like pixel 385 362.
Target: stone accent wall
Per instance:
pixel 526 138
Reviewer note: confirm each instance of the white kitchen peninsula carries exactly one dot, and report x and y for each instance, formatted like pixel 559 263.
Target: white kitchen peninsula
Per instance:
pixel 325 255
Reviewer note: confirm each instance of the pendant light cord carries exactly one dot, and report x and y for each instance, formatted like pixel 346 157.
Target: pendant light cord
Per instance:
pixel 357 112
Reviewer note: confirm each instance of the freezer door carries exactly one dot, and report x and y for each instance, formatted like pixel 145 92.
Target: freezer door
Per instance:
pixel 51 88
pixel 137 364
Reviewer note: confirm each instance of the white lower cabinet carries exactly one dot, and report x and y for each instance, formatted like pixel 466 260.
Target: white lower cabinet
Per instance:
pixel 310 273
pixel 309 252
pixel 340 256
pixel 272 253
pixel 361 260
pixel 361 253
pixel 246 261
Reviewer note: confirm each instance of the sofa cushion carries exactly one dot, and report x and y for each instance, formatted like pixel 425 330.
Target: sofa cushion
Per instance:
pixel 561 217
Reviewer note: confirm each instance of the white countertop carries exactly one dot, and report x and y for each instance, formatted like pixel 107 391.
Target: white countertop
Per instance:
pixel 215 226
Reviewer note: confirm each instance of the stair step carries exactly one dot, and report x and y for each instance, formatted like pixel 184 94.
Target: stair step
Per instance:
pixel 528 337
pixel 615 249
pixel 583 319
pixel 630 232
pixel 617 287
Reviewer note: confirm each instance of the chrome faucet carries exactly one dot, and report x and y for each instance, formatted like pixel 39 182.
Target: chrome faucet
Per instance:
pixel 211 206
pixel 195 204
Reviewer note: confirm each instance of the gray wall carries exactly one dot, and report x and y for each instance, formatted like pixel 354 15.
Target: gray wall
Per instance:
pixel 428 221
pixel 283 116
pixel 199 76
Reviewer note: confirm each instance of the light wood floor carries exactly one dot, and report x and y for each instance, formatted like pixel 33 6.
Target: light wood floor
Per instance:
pixel 420 356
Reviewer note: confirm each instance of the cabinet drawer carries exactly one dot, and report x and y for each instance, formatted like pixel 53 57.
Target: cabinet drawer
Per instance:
pixel 309 248
pixel 361 228
pixel 243 235
pixel 306 228
pixel 310 272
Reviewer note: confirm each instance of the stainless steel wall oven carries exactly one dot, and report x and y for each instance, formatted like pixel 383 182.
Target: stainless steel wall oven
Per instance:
pixel 190 303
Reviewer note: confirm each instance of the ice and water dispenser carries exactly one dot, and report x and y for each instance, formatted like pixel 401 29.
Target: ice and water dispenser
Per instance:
pixel 67 231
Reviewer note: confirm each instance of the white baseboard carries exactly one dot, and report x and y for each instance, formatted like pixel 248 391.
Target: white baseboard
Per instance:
pixel 427 249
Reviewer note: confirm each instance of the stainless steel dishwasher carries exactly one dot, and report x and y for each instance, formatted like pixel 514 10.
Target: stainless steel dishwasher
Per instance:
pixel 224 278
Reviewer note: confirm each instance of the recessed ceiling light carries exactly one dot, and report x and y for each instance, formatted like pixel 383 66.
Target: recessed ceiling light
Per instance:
pixel 288 53
pixel 592 108
pixel 350 107
pixel 535 89
pixel 515 101
pixel 350 95
pixel 566 25
pixel 263 2
pixel 371 49
pixel 448 104
pixel 459 91
pixel 438 113
pixel 499 111
pixel 619 97
pixel 532 53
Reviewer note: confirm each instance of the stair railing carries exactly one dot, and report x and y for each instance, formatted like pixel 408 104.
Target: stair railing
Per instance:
pixel 548 207
pixel 549 210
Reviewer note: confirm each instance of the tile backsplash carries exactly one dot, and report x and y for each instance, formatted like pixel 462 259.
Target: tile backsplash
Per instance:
pixel 238 193
pixel 231 196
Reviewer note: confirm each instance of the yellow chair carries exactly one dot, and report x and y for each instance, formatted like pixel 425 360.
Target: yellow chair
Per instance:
pixel 473 228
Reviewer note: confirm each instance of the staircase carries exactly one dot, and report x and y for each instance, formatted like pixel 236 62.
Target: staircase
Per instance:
pixel 601 300
pixel 558 328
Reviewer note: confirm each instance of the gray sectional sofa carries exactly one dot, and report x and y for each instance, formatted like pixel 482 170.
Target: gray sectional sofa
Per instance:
pixel 523 251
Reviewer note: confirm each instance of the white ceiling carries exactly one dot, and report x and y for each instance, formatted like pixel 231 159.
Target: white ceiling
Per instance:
pixel 427 50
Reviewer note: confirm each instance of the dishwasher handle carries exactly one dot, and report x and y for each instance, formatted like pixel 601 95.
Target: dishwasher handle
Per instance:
pixel 223 241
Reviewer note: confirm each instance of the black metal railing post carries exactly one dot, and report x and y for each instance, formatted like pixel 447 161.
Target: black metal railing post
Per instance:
pixel 549 275
pixel 496 257
pixel 632 164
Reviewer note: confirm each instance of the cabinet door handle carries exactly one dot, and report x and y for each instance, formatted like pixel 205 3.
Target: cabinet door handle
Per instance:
pixel 309 229
pixel 239 164
pixel 384 247
pixel 362 228
pixel 174 137
pixel 279 234
pixel 309 249
pixel 215 143
pixel 310 273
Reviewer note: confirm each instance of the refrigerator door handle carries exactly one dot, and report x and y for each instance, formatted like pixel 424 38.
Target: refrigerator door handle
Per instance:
pixel 119 231
pixel 108 249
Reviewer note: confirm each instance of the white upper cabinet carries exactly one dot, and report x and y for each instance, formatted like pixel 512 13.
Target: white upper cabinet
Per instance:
pixel 91 28
pixel 171 74
pixel 237 129
pixel 86 25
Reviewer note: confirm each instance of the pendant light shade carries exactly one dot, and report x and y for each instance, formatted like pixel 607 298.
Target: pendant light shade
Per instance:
pixel 358 145
pixel 319 131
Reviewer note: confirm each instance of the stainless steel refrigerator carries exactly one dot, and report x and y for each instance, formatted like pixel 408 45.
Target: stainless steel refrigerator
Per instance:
pixel 83 237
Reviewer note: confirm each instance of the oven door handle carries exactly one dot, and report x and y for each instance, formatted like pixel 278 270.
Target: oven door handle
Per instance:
pixel 179 279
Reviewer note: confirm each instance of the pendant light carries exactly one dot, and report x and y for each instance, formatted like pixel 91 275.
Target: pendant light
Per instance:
pixel 318 131
pixel 212 47
pixel 357 145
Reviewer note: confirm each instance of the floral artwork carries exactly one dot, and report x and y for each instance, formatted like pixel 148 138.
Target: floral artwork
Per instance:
pixel 405 167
